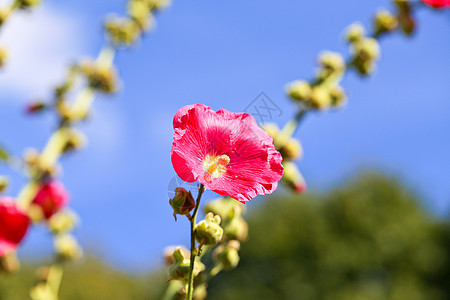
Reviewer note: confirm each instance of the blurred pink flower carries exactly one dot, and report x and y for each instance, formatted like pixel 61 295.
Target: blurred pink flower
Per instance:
pixel 13 225
pixel 51 197
pixel 225 151
pixel 437 3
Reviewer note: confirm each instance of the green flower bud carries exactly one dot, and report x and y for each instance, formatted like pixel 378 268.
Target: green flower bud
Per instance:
pixel 158 4
pixel 332 62
pixel 200 292
pixel 3 183
pixel 223 207
pixel 299 90
pixel 384 22
pixel 35 213
pixel 320 98
pixel 75 140
pixel 227 255
pixel 99 78
pixel 182 203
pixel 338 96
pixel 293 178
pixel 140 12
pixel 235 228
pixel 3 52
pixel 4 14
pixel 67 247
pixel 271 128
pixel 122 31
pixel 292 149
pixel 168 254
pixel 354 33
pixel 9 263
pixel 27 3
pixel 180 268
pixel 368 49
pixel 62 222
pixel 42 291
pixel 208 231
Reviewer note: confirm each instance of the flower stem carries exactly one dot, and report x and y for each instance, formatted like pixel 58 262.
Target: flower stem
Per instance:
pixel 190 290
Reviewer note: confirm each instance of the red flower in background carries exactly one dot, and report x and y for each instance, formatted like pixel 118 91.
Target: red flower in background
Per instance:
pixel 437 3
pixel 225 151
pixel 13 225
pixel 51 197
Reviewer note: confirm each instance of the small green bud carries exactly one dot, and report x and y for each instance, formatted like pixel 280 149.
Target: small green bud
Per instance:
pixel 223 207
pixel 67 247
pixel 122 31
pixel 158 4
pixel 299 90
pixel 42 291
pixel 180 269
pixel 3 53
pixel 75 140
pixel 235 228
pixel 293 178
pixel 332 61
pixel 4 182
pixel 62 222
pixel 320 98
pixel 338 96
pixel 140 12
pixel 35 213
pixel 354 33
pixel 9 263
pixel 168 254
pixel 384 22
pixel 368 49
pixel 208 231
pixel 99 78
pixel 271 128
pixel 182 203
pixel 28 3
pixel 227 255
pixel 200 292
pixel 291 149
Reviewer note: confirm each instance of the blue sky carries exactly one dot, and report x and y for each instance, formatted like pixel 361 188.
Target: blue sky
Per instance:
pixel 222 54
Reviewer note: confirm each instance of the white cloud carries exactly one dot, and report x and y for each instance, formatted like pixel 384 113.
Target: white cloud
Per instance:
pixel 41 44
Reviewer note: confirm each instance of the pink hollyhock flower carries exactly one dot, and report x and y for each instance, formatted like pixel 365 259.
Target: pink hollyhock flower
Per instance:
pixel 51 197
pixel 13 225
pixel 225 151
pixel 437 3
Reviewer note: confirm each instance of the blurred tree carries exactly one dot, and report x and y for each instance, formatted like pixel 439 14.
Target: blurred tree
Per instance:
pixel 370 239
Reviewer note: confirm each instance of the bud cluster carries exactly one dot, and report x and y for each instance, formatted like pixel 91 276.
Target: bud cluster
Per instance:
pixel 291 150
pixel 365 51
pixel 324 91
pixel 125 31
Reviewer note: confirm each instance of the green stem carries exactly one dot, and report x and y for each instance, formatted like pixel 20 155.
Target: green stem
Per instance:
pixel 54 279
pixel 292 126
pixel 190 290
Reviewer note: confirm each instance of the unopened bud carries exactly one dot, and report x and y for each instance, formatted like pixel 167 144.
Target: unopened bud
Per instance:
pixel 183 202
pixel 42 291
pixel 140 12
pixel 368 49
pixel 338 96
pixel 320 98
pixel 28 3
pixel 227 255
pixel 168 254
pixel 354 33
pixel 236 228
pixel 3 52
pixel 332 61
pixel 384 22
pixel 62 222
pixel 208 231
pixel 271 128
pixel 122 31
pixel 158 4
pixel 3 183
pixel 293 178
pixel 200 292
pixel 67 247
pixel 223 207
pixel 292 149
pixel 9 263
pixel 180 269
pixel 75 140
pixel 299 90
pixel 35 213
pixel 100 78
pixel 35 107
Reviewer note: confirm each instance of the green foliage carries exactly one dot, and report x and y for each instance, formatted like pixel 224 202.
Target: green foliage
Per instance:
pixel 367 240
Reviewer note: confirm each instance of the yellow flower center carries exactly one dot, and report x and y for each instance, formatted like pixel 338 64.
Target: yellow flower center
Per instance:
pixel 215 166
